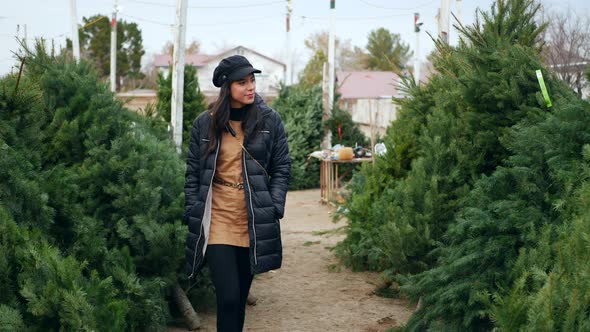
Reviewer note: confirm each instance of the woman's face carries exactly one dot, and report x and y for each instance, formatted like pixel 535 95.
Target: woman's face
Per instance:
pixel 242 91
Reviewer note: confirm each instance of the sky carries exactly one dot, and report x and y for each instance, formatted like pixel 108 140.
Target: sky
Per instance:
pixel 257 24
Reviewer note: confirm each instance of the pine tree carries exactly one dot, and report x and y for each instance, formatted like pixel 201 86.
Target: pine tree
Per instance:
pixel 301 111
pixel 90 205
pixel 341 124
pixel 386 51
pixel 193 100
pixel 551 290
pixel 434 200
pixel 508 209
pixel 95 47
pixel 448 134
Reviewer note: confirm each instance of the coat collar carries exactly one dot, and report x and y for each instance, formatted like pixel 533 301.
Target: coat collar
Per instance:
pixel 263 111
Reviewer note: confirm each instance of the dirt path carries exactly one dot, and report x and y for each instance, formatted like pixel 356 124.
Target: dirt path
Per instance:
pixel 312 292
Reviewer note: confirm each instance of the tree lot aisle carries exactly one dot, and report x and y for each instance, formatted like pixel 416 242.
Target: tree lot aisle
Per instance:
pixel 312 292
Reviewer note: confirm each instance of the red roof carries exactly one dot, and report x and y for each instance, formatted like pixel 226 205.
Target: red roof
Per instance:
pixel 367 84
pixel 197 60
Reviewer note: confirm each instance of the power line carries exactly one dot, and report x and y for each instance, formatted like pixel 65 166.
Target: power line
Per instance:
pixel 34 37
pixel 92 22
pixel 254 19
pixel 351 18
pixel 226 6
pixel 260 4
pixel 247 20
pixel 147 20
pixel 394 8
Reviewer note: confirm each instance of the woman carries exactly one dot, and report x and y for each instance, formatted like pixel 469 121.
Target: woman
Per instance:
pixel 237 174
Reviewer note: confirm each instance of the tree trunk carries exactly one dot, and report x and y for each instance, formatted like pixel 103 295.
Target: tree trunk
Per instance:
pixel 186 308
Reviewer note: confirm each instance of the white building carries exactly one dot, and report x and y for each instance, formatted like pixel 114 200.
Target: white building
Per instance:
pixel 267 83
pixel 368 96
pixel 573 74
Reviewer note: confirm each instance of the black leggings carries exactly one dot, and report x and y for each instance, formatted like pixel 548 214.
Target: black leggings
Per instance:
pixel 230 272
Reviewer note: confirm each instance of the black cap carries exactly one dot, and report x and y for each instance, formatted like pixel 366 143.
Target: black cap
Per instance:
pixel 232 68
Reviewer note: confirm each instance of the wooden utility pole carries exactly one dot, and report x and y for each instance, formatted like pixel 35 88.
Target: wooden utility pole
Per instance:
pixel 114 48
pixel 75 31
pixel 178 73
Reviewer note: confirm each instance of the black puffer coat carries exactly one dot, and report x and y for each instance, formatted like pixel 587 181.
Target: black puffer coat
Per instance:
pixel 265 197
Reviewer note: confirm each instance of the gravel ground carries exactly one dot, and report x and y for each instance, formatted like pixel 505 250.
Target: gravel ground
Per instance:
pixel 312 291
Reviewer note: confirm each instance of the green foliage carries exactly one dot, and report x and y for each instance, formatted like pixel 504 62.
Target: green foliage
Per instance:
pixel 311 75
pixel 478 176
pixel 301 111
pixel 386 51
pixel 346 56
pixel 10 320
pixel 351 133
pixel 95 41
pixel 505 233
pixel 90 205
pixel 552 290
pixel 193 101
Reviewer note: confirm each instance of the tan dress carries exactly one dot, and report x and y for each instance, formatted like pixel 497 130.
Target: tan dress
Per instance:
pixel 229 217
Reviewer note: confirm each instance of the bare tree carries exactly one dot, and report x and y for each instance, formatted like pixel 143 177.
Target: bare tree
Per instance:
pixel 348 58
pixel 567 49
pixel 168 48
pixel 150 78
pixel 192 48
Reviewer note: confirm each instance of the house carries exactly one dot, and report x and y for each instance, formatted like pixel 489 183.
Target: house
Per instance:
pixel 268 82
pixel 367 95
pixel 138 100
pixel 573 74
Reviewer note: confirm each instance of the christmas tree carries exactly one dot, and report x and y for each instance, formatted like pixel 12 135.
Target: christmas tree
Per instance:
pixel 471 181
pixel 91 202
pixel 193 101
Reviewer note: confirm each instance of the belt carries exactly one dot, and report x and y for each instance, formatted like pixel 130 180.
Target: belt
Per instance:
pixel 229 184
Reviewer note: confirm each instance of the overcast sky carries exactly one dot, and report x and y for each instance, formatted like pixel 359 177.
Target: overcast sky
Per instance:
pixel 257 24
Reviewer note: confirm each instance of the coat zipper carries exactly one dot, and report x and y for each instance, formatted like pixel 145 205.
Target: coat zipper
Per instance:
pixel 203 227
pixel 251 208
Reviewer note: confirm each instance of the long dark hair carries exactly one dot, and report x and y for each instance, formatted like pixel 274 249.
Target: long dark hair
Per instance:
pixel 220 116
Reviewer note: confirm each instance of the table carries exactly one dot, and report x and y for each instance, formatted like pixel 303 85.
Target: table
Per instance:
pixel 329 179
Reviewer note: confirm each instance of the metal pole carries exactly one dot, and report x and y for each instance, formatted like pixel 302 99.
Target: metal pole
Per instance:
pixel 331 74
pixel 458 6
pixel 417 25
pixel 445 13
pixel 178 73
pixel 417 63
pixel 75 38
pixel 289 78
pixel 114 49
pixel 327 140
